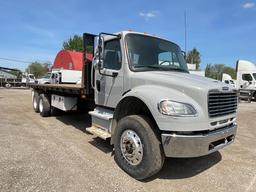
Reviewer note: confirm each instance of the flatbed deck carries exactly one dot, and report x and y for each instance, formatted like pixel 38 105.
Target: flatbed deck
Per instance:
pixel 74 89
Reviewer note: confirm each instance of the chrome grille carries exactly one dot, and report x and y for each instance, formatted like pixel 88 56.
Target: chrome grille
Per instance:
pixel 221 103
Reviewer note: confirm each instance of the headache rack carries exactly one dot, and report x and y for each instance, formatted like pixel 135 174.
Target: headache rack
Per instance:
pixel 222 103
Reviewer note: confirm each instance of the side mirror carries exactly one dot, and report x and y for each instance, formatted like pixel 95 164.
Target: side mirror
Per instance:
pixel 100 51
pixel 184 54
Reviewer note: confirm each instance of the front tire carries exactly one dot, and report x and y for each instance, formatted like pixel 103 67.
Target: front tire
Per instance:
pixel 44 106
pixel 137 148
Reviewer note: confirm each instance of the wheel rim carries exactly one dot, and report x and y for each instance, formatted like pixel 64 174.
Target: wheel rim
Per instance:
pixel 34 103
pixel 131 147
pixel 40 105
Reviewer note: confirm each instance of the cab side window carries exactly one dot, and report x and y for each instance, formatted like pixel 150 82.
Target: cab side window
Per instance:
pixel 112 55
pixel 247 77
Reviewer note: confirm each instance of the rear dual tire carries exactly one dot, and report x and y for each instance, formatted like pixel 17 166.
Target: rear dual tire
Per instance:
pixel 44 105
pixel 35 101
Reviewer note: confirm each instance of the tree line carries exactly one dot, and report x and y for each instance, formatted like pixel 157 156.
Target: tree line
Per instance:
pixel 213 71
pixel 193 56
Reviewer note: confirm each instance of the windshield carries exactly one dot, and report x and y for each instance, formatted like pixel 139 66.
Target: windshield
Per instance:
pixel 47 76
pixel 149 53
pixel 254 75
pixel 31 76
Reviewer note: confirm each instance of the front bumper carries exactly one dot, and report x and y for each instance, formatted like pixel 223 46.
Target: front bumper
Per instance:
pixel 196 145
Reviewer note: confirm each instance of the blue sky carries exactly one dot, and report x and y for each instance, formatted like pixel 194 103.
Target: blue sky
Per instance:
pixel 222 30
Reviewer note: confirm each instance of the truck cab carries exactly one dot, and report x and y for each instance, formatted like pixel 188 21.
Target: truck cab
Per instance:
pixel 246 76
pixel 226 78
pixel 147 103
pixel 28 78
pixel 146 76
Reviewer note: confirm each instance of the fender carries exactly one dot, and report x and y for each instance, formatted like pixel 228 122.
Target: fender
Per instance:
pixel 151 95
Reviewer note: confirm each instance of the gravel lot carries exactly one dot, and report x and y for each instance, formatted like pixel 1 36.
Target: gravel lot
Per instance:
pixel 56 154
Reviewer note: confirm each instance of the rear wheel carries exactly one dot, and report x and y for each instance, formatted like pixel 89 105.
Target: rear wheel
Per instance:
pixel 8 85
pixel 44 106
pixel 35 100
pixel 137 148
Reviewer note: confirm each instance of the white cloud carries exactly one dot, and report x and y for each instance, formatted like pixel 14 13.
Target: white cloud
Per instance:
pixel 248 5
pixel 149 14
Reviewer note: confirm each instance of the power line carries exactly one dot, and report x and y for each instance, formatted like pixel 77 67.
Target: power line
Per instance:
pixel 15 60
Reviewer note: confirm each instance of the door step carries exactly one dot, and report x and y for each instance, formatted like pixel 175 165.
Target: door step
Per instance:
pixel 102 118
pixel 99 132
pixel 102 113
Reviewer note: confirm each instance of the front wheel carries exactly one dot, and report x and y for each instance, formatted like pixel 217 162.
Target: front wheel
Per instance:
pixel 137 148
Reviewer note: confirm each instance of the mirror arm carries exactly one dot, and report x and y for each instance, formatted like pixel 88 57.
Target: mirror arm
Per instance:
pixel 115 35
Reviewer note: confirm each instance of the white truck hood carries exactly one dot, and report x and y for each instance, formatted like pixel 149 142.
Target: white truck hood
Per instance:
pixel 194 86
pixel 178 80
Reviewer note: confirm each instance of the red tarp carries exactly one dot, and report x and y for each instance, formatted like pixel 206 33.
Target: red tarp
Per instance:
pixel 72 60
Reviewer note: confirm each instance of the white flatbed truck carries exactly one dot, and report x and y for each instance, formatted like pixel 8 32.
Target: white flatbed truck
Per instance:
pixel 144 100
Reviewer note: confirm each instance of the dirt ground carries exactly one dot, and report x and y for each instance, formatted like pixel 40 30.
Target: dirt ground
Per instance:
pixel 56 154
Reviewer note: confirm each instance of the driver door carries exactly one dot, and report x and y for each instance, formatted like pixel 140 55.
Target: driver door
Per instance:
pixel 109 89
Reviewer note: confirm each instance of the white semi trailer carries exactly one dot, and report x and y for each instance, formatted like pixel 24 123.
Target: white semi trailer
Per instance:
pixel 141 96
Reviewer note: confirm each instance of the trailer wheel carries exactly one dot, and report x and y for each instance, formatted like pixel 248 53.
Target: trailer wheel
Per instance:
pixel 138 150
pixel 44 106
pixel 35 101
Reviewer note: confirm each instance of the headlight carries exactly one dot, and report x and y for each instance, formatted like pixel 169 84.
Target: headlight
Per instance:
pixel 173 108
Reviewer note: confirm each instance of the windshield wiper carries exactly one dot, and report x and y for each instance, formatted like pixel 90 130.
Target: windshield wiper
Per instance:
pixel 177 69
pixel 150 66
pixel 161 68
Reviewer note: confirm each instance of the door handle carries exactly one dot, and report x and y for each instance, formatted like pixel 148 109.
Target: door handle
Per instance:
pixel 98 85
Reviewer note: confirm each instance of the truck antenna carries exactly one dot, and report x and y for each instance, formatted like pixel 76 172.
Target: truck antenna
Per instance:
pixel 185 30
